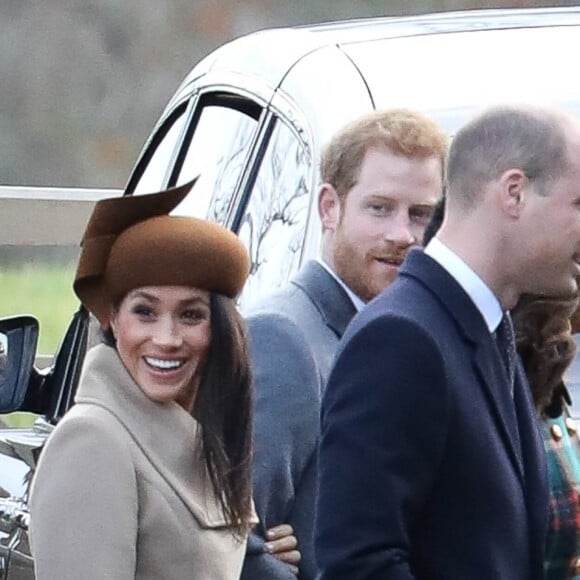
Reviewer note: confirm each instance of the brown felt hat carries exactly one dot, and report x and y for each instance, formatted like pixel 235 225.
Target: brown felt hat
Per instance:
pixel 131 241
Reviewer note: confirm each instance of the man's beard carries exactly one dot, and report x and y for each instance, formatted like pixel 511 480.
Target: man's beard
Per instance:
pixel 360 272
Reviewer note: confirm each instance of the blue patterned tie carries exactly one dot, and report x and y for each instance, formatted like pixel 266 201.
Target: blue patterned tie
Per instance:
pixel 506 344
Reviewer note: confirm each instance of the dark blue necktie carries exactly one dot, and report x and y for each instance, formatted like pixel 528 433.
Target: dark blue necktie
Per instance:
pixel 506 344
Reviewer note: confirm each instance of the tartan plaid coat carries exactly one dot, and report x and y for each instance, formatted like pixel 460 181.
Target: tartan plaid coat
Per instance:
pixel 562 444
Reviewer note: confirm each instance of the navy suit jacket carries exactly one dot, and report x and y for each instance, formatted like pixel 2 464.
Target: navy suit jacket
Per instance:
pixel 293 335
pixel 428 468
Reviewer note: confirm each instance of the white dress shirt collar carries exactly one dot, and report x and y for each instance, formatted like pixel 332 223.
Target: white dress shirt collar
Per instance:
pixel 476 288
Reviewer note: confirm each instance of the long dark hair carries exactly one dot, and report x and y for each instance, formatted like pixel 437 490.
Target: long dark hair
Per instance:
pixel 223 407
pixel 545 344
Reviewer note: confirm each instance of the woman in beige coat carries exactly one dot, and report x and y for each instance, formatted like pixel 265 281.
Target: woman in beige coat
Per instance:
pixel 148 475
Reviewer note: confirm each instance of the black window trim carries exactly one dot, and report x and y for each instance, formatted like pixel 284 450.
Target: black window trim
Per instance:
pixel 220 98
pixel 255 161
pixel 159 133
pixel 250 173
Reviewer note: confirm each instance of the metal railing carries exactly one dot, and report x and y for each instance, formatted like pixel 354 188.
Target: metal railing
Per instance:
pixel 46 216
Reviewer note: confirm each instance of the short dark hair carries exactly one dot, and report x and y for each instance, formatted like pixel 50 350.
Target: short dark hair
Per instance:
pixel 501 138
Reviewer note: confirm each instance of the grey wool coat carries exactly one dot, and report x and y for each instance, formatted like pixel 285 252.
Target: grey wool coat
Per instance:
pixel 293 338
pixel 120 491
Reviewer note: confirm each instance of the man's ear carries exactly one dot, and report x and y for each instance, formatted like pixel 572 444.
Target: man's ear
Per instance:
pixel 328 207
pixel 513 185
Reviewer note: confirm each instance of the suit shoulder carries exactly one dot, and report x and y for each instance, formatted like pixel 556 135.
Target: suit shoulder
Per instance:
pixel 88 425
pixel 289 312
pixel 289 301
pixel 383 327
pixel 86 446
pixel 279 344
pixel 409 300
pixel 391 325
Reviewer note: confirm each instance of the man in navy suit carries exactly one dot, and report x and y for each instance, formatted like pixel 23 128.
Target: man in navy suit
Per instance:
pixel 381 177
pixel 431 464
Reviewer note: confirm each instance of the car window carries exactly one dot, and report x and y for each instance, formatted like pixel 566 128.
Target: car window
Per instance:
pixel 217 153
pixel 159 154
pixel 274 221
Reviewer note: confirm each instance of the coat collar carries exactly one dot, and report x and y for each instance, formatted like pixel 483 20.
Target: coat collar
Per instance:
pixel 473 328
pixel 168 436
pixel 333 303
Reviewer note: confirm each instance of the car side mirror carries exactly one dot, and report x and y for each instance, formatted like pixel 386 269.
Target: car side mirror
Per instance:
pixel 18 338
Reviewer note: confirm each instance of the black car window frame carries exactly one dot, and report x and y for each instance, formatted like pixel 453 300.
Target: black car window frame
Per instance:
pixel 192 106
pixel 158 135
pixel 244 106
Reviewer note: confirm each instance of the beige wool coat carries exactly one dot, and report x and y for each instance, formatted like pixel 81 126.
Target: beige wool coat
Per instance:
pixel 120 491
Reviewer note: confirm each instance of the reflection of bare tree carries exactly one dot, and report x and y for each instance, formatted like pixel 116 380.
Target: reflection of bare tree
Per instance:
pixel 288 215
pixel 274 223
pixel 230 167
pixel 216 153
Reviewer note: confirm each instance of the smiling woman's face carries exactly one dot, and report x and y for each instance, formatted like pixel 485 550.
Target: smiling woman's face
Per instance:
pixel 163 334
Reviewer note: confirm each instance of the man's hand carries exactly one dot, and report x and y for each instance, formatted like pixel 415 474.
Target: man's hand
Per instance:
pixel 282 544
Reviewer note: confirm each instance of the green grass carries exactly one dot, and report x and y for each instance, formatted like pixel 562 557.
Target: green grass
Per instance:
pixel 46 293
pixel 17 420
pixel 43 291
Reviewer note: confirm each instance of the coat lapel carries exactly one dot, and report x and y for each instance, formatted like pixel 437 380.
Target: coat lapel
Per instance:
pixel 494 379
pixel 472 327
pixel 534 462
pixel 168 436
pixel 330 299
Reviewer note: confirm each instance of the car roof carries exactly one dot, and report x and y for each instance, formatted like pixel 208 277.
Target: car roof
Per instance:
pixel 364 29
pixel 247 56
